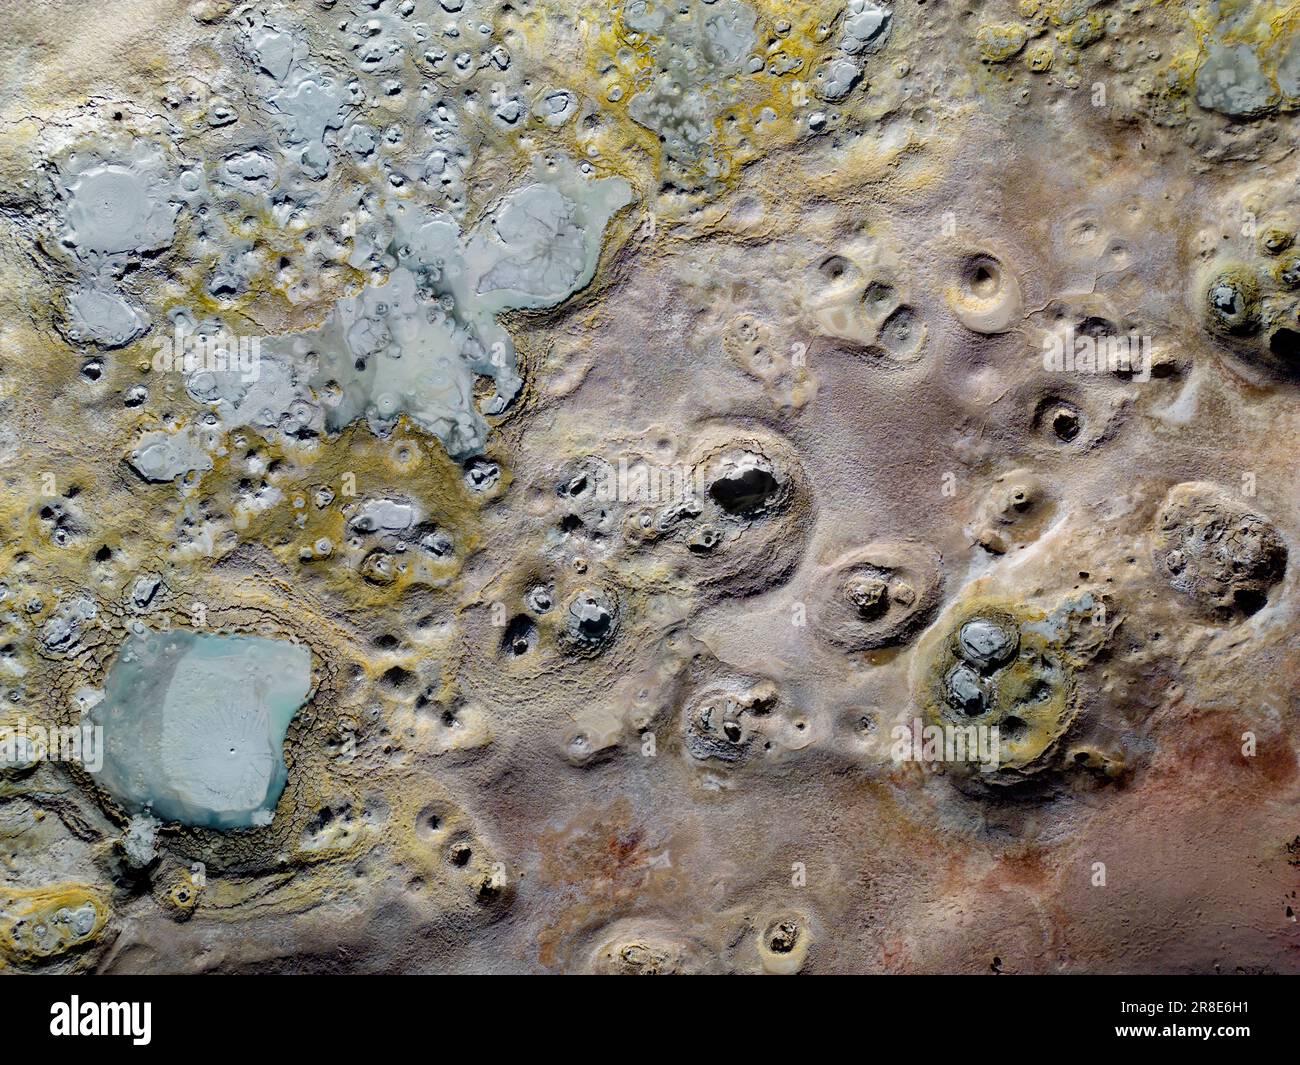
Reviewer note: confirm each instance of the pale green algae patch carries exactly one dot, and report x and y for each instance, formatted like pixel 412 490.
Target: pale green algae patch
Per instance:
pixel 194 725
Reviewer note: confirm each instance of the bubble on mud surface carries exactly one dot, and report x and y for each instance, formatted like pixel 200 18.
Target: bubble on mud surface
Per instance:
pixel 985 643
pixel 967 691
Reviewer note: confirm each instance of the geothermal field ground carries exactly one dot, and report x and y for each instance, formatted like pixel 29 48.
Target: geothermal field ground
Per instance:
pixel 650 486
